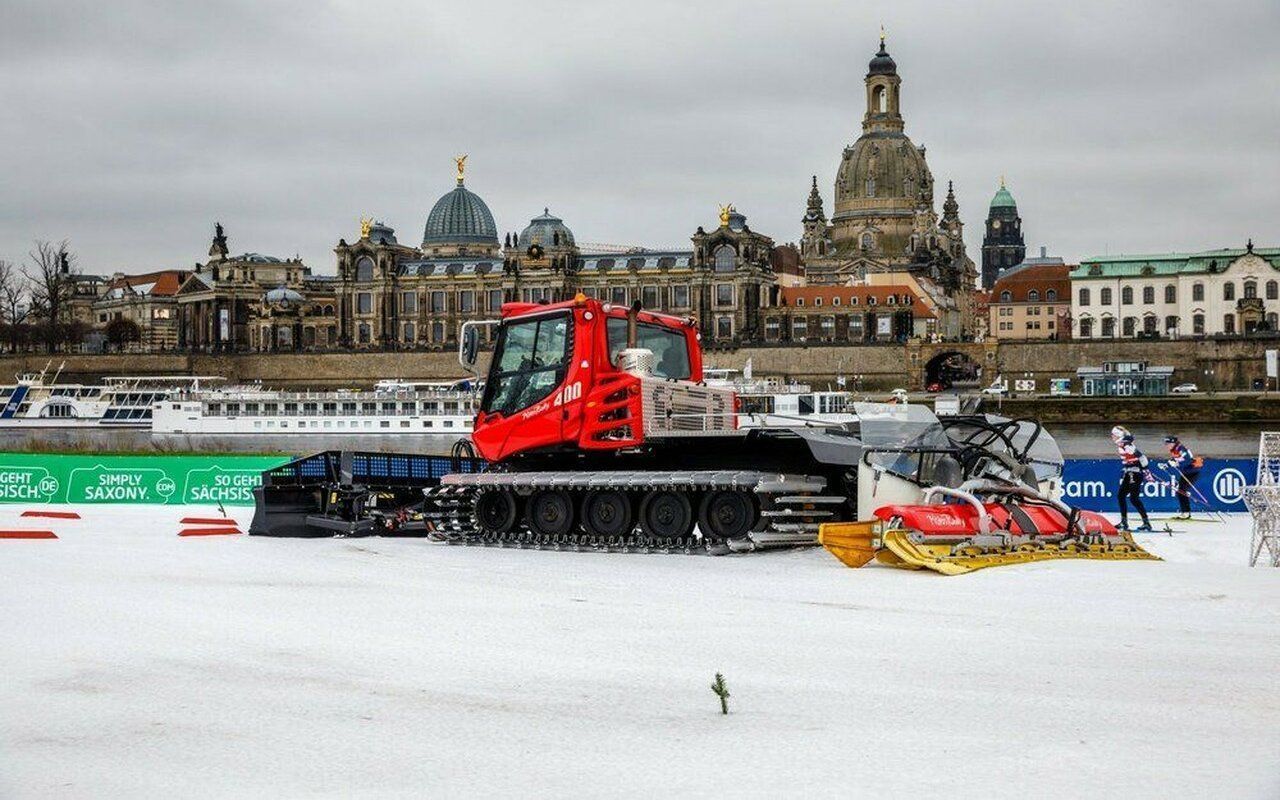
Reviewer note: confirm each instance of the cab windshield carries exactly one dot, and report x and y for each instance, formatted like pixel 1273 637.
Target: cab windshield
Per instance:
pixel 528 363
pixel 670 347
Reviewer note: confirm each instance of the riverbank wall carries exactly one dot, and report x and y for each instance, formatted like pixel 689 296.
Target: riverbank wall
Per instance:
pixel 1227 364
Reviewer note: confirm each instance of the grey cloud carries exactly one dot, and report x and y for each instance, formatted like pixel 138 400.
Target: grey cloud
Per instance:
pixel 130 126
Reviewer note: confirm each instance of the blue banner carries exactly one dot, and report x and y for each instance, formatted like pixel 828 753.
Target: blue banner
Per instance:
pixel 1092 483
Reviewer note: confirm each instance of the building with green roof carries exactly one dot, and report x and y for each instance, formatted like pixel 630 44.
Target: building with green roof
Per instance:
pixel 1231 291
pixel 1003 246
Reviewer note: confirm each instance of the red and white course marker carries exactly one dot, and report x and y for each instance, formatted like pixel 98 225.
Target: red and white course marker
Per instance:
pixel 28 535
pixel 51 514
pixel 209 532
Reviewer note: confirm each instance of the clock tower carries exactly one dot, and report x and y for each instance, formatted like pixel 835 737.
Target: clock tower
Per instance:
pixel 1002 244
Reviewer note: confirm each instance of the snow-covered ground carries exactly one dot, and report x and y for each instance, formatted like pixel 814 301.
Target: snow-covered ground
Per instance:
pixel 138 663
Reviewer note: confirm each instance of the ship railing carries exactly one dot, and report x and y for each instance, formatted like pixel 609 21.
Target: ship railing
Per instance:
pixel 262 395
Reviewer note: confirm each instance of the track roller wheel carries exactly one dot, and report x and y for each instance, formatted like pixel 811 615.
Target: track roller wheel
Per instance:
pixel 665 514
pixel 496 512
pixel 549 514
pixel 726 514
pixel 607 513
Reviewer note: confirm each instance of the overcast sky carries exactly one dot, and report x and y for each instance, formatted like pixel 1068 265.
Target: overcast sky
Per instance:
pixel 129 127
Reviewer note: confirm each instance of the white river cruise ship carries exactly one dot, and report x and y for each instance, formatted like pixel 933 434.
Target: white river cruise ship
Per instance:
pixel 36 400
pixel 392 406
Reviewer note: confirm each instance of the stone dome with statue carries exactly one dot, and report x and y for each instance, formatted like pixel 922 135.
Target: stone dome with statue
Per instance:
pixel 460 223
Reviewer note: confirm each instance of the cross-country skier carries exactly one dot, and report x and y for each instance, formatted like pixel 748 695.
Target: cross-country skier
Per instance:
pixel 1133 473
pixel 1185 467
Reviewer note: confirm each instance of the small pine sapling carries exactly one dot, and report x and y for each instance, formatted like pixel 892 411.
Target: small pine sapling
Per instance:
pixel 722 691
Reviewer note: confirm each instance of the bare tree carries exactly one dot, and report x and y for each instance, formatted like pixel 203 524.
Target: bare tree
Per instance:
pixel 52 277
pixel 13 295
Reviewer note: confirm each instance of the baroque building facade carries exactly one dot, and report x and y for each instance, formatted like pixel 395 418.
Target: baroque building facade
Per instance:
pixel 396 296
pixel 226 305
pixel 1231 291
pixel 884 222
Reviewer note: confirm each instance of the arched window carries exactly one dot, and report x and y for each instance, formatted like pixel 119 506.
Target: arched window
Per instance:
pixel 871 301
pixel 1171 325
pixel 1229 323
pixel 1126 296
pixel 1105 296
pixel 1051 295
pixel 1148 294
pixel 1086 327
pixel 364 269
pixel 1171 293
pixel 1250 290
pixel 365 333
pixel 409 332
pixel 1272 319
pixel 1273 290
pixel 879 99
pixel 1034 295
pixel 1197 292
pixel 1197 323
pixel 1149 324
pixel 725 258
pixel 871 181
pixel 1129 326
pixel 1084 296
pixel 1006 296
pixel 1108 327
pixel 1228 291
pixel 868 241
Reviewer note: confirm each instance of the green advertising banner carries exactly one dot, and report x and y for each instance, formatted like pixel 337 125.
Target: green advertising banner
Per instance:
pixel 160 479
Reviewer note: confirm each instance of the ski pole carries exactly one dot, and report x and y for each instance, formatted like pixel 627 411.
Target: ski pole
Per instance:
pixel 1201 500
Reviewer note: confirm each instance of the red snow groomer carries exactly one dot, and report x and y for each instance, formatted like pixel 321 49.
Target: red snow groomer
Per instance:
pixel 601 433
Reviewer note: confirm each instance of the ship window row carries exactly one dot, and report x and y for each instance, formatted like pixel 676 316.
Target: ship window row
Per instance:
pixel 137 399
pixel 67 391
pixel 342 424
pixel 127 413
pixel 333 409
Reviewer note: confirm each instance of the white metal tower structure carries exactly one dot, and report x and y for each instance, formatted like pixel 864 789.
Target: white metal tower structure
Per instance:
pixel 1263 501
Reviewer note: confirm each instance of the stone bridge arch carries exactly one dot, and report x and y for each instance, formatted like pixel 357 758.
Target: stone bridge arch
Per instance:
pixel 964 364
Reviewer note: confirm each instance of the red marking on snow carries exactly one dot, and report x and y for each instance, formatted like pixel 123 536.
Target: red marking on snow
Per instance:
pixel 223 521
pixel 52 514
pixel 27 535
pixel 208 531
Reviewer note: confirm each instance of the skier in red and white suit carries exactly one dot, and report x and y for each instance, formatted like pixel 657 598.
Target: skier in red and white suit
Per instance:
pixel 1133 473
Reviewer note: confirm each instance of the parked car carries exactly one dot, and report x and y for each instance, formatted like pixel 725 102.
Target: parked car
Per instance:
pixel 1185 388
pixel 996 389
